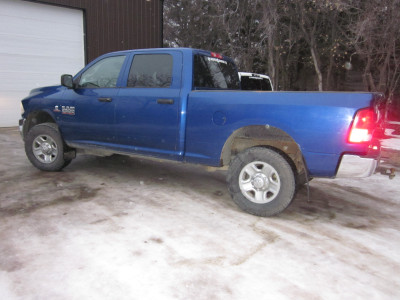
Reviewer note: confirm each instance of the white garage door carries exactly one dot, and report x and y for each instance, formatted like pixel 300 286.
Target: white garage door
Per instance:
pixel 38 43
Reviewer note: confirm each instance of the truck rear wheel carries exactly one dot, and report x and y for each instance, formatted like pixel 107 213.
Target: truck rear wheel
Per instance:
pixel 261 182
pixel 44 147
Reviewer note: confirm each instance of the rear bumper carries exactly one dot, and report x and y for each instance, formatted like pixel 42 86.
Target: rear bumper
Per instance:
pixel 353 166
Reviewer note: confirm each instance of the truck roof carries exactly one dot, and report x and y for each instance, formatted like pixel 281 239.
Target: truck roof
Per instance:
pixel 180 49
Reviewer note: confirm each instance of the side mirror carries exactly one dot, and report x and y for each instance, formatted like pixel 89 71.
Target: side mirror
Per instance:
pixel 67 81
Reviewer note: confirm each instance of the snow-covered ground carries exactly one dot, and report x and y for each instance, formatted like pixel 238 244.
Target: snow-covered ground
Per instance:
pixel 129 228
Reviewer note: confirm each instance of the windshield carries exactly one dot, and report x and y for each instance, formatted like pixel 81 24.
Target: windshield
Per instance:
pixel 214 73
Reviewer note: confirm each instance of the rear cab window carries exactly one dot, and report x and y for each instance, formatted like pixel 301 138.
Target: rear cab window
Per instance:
pixel 213 71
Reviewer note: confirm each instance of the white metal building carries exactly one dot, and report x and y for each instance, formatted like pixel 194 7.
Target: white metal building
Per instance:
pixel 38 43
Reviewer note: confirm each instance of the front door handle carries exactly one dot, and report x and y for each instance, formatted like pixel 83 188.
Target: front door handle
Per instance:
pixel 165 101
pixel 105 99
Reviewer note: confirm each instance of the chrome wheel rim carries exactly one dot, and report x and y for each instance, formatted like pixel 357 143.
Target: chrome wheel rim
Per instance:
pixel 45 149
pixel 259 182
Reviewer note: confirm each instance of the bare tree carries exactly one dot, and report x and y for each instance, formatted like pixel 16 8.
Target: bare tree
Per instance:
pixel 293 39
pixel 375 36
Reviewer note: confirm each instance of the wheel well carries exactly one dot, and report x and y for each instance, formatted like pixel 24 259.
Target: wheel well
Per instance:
pixel 35 118
pixel 264 136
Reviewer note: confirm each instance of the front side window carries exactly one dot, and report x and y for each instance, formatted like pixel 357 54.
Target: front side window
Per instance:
pixel 103 74
pixel 214 73
pixel 151 71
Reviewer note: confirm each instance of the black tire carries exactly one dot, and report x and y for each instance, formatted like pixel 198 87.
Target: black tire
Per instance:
pixel 45 147
pixel 261 182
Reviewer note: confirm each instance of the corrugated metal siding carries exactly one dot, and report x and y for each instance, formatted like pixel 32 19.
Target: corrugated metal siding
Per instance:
pixel 113 25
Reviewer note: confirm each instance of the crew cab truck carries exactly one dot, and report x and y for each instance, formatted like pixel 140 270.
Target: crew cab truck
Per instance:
pixel 186 105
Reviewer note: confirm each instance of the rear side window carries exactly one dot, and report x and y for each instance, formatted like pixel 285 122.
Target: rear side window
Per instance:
pixel 151 71
pixel 103 74
pixel 214 73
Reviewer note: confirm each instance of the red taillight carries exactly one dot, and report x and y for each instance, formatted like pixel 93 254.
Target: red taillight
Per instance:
pixel 216 55
pixel 363 125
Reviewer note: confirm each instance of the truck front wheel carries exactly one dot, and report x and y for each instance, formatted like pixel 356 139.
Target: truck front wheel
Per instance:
pixel 261 182
pixel 44 147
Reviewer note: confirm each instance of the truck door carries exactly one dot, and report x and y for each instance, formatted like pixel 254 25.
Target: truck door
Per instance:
pixel 92 103
pixel 148 110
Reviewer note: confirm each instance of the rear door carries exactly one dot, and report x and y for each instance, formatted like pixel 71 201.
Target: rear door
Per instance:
pixel 148 110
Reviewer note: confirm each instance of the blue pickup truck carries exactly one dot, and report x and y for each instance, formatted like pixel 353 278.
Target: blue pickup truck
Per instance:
pixel 186 105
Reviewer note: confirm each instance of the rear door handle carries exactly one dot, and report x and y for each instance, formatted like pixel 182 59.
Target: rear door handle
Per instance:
pixel 165 101
pixel 105 99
